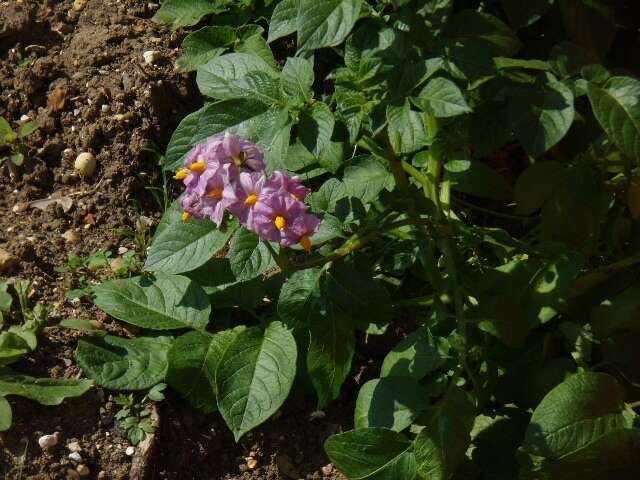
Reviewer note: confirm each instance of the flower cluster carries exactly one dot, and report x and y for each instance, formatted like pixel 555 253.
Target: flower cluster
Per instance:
pixel 227 174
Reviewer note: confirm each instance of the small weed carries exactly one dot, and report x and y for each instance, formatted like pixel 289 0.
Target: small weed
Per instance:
pixel 12 147
pixel 134 414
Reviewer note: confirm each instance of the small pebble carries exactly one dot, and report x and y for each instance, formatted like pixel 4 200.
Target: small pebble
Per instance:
pixel 150 56
pixel 83 470
pixel 74 447
pixel 327 470
pixel 71 236
pixel 25 118
pixel 252 463
pixel 130 451
pixel 102 474
pixel 8 261
pixel 48 441
pixel 85 164
pixel 75 456
pixel 78 5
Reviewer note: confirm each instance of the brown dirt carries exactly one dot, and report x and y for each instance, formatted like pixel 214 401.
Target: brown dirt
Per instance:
pixel 86 82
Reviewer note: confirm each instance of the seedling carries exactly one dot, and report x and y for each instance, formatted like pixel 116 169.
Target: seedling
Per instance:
pixel 134 414
pixel 12 149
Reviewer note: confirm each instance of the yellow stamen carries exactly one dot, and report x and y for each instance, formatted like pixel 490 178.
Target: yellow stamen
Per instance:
pixel 216 193
pixel 198 167
pixel 186 216
pixel 280 222
pixel 180 174
pixel 251 200
pixel 305 241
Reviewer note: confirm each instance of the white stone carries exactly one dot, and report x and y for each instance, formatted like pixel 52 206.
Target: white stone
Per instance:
pixel 130 451
pixel 75 456
pixel 150 56
pixel 48 441
pixel 85 164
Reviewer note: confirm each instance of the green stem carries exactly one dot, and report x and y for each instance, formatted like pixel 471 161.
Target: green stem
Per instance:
pixel 424 301
pixel 356 242
pixel 518 218
pixel 281 258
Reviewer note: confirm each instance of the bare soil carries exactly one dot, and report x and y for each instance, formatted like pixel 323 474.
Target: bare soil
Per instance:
pixel 82 75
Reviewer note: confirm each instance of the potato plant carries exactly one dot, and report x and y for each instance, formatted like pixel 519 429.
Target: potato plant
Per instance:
pixel 431 171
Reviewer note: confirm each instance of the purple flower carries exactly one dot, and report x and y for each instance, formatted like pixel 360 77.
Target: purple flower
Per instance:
pixel 282 182
pixel 274 216
pixel 203 156
pixel 302 229
pixel 210 189
pixel 242 154
pixel 244 195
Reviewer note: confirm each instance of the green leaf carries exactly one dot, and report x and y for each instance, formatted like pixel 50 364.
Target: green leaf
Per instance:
pixel 440 447
pixel 249 256
pixel 616 107
pixel 254 376
pixel 485 29
pixel 17 158
pixel 5 415
pixel 536 185
pixel 203 45
pixel 475 178
pixel 331 349
pixel 28 128
pixel 255 44
pixel 541 117
pixel 299 297
pixel 157 302
pixel 242 116
pixel 576 414
pixel 358 295
pixel 284 20
pixel 316 127
pixel 366 177
pixel 193 360
pixel 184 246
pixel 418 354
pixel 391 402
pixel 218 78
pixel 442 98
pixel 12 347
pixel 372 454
pixel 297 78
pixel 124 364
pixel 5 130
pixel 522 13
pixel 326 23
pixel 46 391
pixel 327 196
pixel 406 129
pixel 181 13
pixel 82 326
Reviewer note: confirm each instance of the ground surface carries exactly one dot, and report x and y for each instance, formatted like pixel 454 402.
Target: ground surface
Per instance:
pixel 86 82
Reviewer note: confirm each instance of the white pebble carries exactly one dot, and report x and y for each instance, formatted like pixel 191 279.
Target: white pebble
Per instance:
pixel 25 118
pixel 85 164
pixel 74 446
pixel 75 456
pixel 83 470
pixel 150 56
pixel 105 108
pixel 130 451
pixel 48 441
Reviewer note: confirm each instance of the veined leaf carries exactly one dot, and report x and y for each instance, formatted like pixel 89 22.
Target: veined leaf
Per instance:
pixel 316 127
pixel 331 349
pixel 218 77
pixel 284 20
pixel 249 257
pixel 241 116
pixel 193 360
pixel 407 129
pixel 181 13
pixel 184 246
pixel 372 454
pixel 297 78
pixel 299 298
pixel 617 108
pixel 254 376
pixel 203 45
pixel 124 364
pixel 416 355
pixel 158 302
pixel 522 13
pixel 326 23
pixel 442 98
pixel 365 178
pixel 391 402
